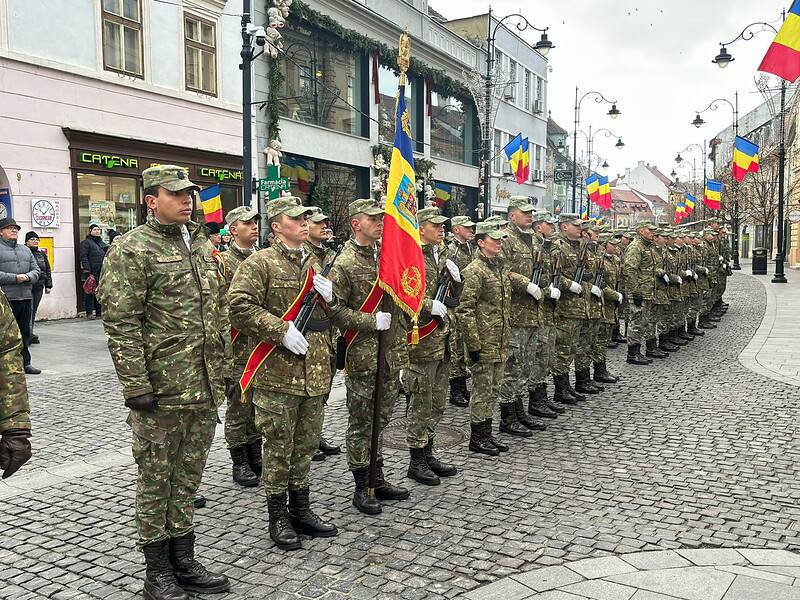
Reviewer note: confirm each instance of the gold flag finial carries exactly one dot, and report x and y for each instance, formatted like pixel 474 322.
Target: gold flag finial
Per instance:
pixel 404 55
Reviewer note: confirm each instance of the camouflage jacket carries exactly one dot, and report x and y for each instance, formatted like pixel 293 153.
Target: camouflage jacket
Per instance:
pixel 243 345
pixel 594 305
pixel 676 278
pixel 613 276
pixel 544 249
pixel 638 268
pixel 519 258
pixel 165 315
pixel 485 308
pixel 689 287
pixel 462 253
pixel 570 306
pixel 661 293
pixel 712 262
pixel 432 347
pixel 14 408
pixel 700 253
pixel 263 288
pixel 353 277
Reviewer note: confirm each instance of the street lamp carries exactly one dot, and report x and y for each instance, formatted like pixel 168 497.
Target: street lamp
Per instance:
pixel 613 112
pixel 620 144
pixel 702 149
pixel 698 121
pixel 543 46
pixel 722 60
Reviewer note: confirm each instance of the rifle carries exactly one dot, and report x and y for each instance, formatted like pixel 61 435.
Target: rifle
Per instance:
pixel 664 265
pixel 311 299
pixel 579 270
pixel 538 267
pixel 600 278
pixel 556 283
pixel 445 280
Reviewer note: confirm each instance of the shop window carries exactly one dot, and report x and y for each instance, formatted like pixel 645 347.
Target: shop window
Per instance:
pixel 228 195
pixel 201 55
pixel 388 84
pixel 460 200
pixel 122 36
pixel 453 125
pixel 323 85
pixel 109 201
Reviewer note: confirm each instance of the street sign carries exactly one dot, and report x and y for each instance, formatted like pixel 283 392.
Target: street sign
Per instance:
pixel 562 176
pixel 794 216
pixel 273 185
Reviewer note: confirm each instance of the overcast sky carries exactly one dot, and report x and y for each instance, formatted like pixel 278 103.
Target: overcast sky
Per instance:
pixel 654 57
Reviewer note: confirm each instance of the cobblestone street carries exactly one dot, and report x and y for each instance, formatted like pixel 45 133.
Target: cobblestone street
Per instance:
pixel 691 452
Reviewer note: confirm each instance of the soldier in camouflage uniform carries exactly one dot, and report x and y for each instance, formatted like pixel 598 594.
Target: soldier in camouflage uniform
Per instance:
pixel 714 267
pixel 354 275
pixel 611 301
pixel 289 388
pixel 674 291
pixel 696 295
pixel 525 295
pixel 241 436
pixel 15 419
pixel 166 320
pixel 705 281
pixel 688 288
pixel 571 308
pixel 462 251
pixel 590 324
pixel 662 303
pixel 485 311
pixel 639 264
pixel 319 233
pixel 425 379
pixel 538 403
pixel 625 238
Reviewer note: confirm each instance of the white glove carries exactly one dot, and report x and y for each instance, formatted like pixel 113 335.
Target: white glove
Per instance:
pixel 455 273
pixel 666 278
pixel 694 274
pixel 680 281
pixel 596 291
pixel 575 287
pixel 619 297
pixel 294 341
pixel 324 287
pixel 721 258
pixel 383 321
pixel 438 309
pixel 688 273
pixel 534 290
pixel 555 293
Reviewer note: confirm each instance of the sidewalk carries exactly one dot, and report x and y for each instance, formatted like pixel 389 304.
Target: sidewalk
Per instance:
pixel 772 352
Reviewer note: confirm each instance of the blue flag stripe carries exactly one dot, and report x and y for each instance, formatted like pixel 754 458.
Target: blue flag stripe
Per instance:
pixel 401 140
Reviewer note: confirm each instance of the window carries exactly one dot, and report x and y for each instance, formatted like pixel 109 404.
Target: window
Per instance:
pixel 538 105
pixel 453 132
pixel 497 152
pixel 108 201
pixel 512 76
pixel 527 96
pixel 201 55
pixel 122 36
pixel 388 84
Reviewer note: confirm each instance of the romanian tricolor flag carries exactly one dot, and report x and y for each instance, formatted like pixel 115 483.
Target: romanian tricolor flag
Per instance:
pixel 605 193
pixel 713 196
pixel 514 154
pixel 401 271
pixel 680 211
pixel 593 188
pixel 585 215
pixel 443 191
pixel 212 204
pixel 526 161
pixel 745 158
pixel 689 202
pixel 303 179
pixel 783 56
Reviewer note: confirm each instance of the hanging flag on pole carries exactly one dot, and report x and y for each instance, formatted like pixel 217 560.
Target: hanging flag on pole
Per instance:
pixel 783 55
pixel 713 195
pixel 525 167
pixel 514 154
pixel 212 204
pixel 605 193
pixel 689 202
pixel 745 158
pixel 593 187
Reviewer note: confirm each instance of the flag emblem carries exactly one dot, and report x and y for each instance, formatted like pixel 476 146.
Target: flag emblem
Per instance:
pixel 405 201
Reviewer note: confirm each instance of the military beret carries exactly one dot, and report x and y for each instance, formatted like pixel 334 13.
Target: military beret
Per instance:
pixel 491 229
pixel 461 220
pixel 290 206
pixel 368 206
pixel 522 203
pixel 241 213
pixel 432 214
pixel 170 177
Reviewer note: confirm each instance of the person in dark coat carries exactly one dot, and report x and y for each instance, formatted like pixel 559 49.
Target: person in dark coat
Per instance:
pixel 45 281
pixel 92 251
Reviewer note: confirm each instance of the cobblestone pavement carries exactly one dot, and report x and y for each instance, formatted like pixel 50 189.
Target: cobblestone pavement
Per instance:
pixel 692 452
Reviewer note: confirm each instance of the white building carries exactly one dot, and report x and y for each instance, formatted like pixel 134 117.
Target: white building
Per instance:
pixel 94 92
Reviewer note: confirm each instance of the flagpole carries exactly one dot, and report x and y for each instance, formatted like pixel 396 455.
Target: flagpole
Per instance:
pixel 378 393
pixel 736 266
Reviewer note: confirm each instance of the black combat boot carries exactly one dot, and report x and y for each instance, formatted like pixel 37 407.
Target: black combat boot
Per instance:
pixel 675 337
pixel 365 503
pixel 385 490
pixel 653 351
pixel 562 394
pixel 327 448
pixel 509 423
pixel 304 520
pixel 254 454
pixel 525 420
pixel 280 529
pixel 442 469
pixel 616 336
pixel 666 345
pixel 190 574
pixel 319 455
pixel 537 405
pixel 573 392
pixel 583 383
pixel 465 389
pixel 602 375
pixel 199 501
pixel 635 356
pixel 692 328
pixel 418 468
pixel 612 344
pixel 487 427
pixel 160 582
pixel 541 392
pixel 457 387
pixel 684 333
pixel 478 442
pixel 242 473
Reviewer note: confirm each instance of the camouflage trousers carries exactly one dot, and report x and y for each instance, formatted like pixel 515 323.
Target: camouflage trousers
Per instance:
pixel 170 447
pixel 679 309
pixel 360 388
pixel 585 347
pixel 487 377
pixel 567 332
pixel 695 303
pixel 458 364
pixel 641 322
pixel 602 340
pixel 240 426
pixel 661 318
pixel 290 426
pixel 543 356
pixel 426 383
pixel 519 366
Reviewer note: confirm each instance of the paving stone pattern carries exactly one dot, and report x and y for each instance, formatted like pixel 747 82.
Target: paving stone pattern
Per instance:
pixel 688 453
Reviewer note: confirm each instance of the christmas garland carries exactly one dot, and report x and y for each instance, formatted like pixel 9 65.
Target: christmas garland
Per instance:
pixel 275 107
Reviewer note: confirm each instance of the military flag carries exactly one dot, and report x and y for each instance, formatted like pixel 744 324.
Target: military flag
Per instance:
pixel 689 201
pixel 212 204
pixel 745 158
pixel 783 55
pixel 713 195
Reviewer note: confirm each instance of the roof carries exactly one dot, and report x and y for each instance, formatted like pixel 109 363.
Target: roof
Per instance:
pixel 629 201
pixel 652 197
pixel 663 178
pixel 554 128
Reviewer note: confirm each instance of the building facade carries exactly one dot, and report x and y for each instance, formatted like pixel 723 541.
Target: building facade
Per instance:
pixel 144 83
